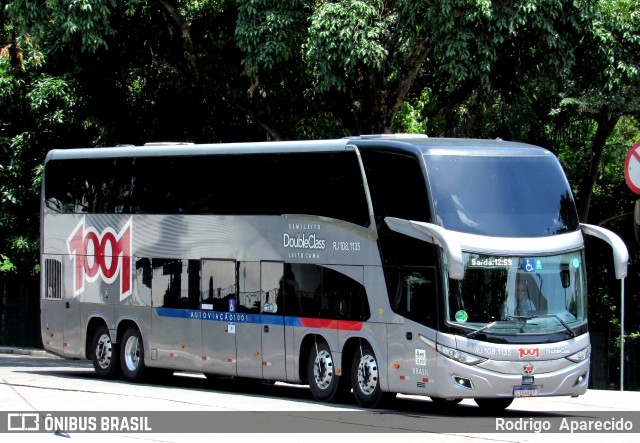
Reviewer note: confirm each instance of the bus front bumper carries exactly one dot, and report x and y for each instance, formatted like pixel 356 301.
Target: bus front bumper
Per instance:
pixel 457 380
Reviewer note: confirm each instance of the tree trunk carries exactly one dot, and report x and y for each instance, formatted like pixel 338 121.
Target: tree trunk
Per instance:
pixel 412 66
pixel 606 123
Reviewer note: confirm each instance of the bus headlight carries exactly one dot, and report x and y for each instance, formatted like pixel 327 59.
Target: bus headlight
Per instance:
pixel 460 356
pixel 579 356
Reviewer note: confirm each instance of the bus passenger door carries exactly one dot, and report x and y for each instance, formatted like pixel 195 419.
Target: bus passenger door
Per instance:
pixel 260 331
pixel 412 343
pixel 72 327
pixel 219 317
pixel 249 333
pixel 272 309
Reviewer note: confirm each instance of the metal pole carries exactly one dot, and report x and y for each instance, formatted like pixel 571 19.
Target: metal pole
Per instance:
pixel 622 334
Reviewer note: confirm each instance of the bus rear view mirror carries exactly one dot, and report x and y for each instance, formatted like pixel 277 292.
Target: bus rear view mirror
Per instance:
pixel 565 278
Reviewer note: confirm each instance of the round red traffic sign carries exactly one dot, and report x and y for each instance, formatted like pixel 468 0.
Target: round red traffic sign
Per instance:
pixel 632 168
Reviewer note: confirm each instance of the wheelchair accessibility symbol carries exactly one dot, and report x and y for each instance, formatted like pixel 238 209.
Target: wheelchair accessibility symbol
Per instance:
pixel 532 264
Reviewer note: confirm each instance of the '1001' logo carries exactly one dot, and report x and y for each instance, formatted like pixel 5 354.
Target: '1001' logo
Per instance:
pixel 101 255
pixel 529 352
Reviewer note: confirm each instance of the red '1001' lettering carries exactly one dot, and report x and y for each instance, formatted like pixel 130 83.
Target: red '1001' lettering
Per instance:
pixel 531 352
pixel 101 255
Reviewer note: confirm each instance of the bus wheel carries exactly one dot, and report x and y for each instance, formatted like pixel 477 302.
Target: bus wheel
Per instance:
pixel 493 404
pixel 365 378
pixel 132 355
pixel 104 354
pixel 323 380
pixel 445 403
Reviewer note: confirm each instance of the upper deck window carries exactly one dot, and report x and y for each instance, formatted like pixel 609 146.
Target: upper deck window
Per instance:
pixel 325 184
pixel 501 196
pixel 397 185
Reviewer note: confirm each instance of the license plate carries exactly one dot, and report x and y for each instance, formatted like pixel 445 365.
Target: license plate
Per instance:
pixel 525 391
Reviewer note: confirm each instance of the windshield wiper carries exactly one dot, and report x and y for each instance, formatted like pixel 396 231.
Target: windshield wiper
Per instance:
pixel 479 330
pixel 529 317
pixel 571 333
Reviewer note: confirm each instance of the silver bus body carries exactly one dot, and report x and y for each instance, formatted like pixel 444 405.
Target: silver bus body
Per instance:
pixel 310 298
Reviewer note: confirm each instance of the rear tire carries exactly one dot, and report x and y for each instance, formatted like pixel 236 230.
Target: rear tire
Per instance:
pixel 132 355
pixel 366 381
pixel 104 353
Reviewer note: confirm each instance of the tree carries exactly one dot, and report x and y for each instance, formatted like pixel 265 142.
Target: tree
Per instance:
pixel 37 111
pixel 103 72
pixel 107 72
pixel 603 86
pixel 365 58
pixel 612 205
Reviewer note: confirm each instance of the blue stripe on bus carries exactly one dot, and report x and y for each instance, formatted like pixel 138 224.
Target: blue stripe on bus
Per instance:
pixel 277 320
pixel 232 317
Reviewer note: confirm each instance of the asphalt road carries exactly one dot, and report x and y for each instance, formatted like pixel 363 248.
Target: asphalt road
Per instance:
pixel 188 407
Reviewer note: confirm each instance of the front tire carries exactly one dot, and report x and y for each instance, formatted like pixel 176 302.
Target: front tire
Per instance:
pixel 446 402
pixel 104 353
pixel 365 379
pixel 493 404
pixel 132 355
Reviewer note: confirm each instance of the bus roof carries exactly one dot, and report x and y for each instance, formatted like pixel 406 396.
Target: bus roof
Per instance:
pixel 453 146
pixel 416 143
pixel 151 150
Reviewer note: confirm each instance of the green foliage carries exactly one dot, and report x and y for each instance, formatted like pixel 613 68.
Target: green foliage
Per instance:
pixel 411 117
pixel 322 125
pixel 38 109
pixel 102 72
pixel 269 32
pixel 51 98
pixel 616 39
pixel 607 74
pixel 86 22
pixel 5 264
pixel 344 37
pixel 610 189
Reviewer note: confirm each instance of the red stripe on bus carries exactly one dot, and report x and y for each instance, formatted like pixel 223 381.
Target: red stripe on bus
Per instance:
pixel 341 325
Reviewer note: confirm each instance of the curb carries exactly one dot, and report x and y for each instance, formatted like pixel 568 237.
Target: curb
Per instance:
pixel 25 351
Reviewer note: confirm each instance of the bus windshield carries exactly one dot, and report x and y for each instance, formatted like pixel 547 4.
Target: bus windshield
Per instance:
pixel 501 196
pixel 519 295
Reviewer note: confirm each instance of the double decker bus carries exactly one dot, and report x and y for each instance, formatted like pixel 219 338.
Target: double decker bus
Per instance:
pixel 372 265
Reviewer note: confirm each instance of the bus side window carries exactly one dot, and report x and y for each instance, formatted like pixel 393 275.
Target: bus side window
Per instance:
pixel 291 292
pixel 219 285
pixel 418 296
pixel 167 284
pixel 397 185
pixel 143 278
pixel 249 287
pixel 271 295
pixel 343 297
pixel 316 292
